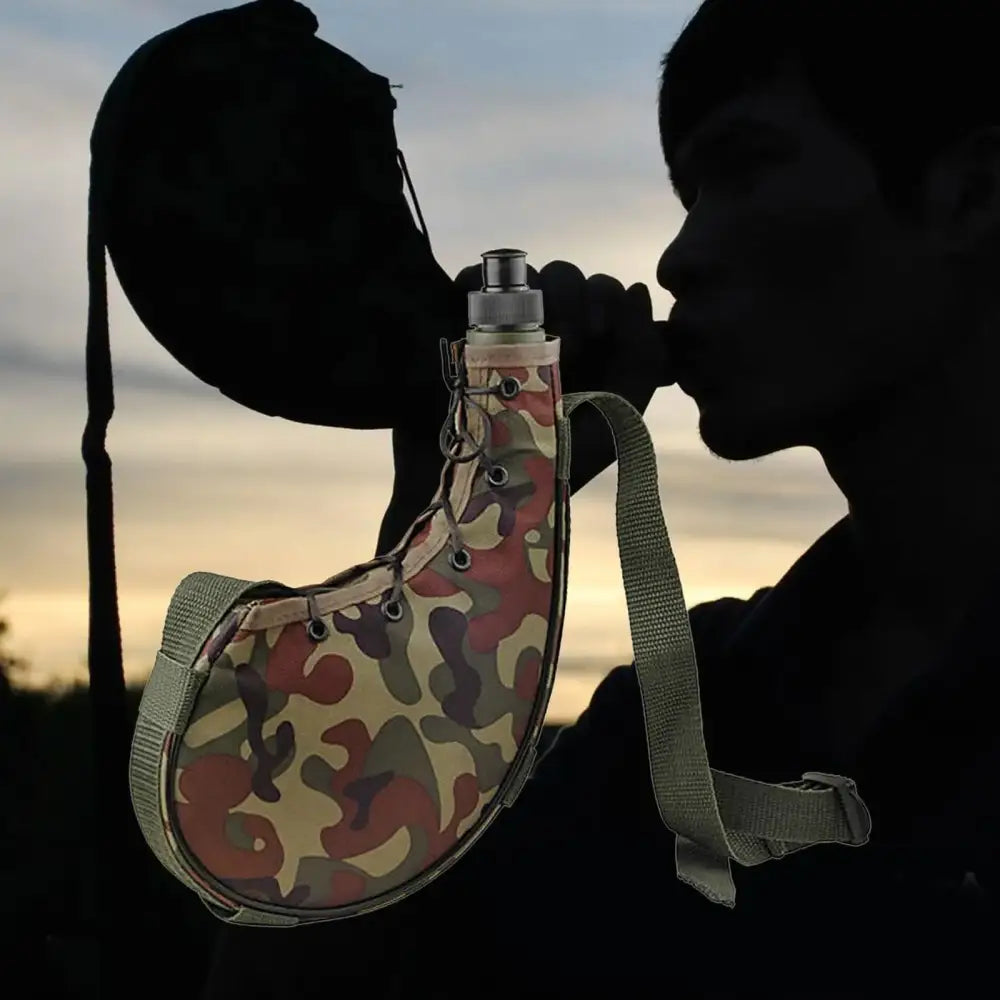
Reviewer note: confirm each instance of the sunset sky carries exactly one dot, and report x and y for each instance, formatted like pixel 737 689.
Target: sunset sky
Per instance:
pixel 201 484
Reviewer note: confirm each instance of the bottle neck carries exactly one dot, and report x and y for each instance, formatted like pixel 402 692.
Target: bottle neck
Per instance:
pixel 487 338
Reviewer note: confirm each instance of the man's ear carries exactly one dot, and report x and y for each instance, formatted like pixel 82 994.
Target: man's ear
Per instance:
pixel 961 193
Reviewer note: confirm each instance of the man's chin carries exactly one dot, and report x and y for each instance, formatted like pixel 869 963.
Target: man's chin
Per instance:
pixel 736 436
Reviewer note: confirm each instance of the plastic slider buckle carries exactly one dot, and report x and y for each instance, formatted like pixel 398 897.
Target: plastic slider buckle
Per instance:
pixel 859 821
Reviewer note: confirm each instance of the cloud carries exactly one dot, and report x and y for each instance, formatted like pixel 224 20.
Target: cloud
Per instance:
pixel 782 498
pixel 282 512
pixel 282 516
pixel 18 361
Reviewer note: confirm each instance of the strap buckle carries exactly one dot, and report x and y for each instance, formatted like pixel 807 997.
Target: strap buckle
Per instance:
pixel 859 821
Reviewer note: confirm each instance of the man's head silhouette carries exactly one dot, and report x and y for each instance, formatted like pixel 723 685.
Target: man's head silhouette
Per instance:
pixel 840 167
pixel 245 181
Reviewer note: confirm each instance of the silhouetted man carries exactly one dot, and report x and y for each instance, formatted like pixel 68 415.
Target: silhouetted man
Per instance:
pixel 835 285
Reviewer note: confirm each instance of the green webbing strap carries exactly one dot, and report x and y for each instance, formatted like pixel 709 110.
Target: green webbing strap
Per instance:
pixel 716 816
pixel 198 605
pixel 199 602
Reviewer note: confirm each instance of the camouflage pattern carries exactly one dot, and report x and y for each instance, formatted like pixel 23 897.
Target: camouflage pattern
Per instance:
pixel 317 775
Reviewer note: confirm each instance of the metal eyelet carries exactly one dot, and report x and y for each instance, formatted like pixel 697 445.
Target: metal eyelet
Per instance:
pixel 393 610
pixel 317 630
pixel 509 387
pixel 497 476
pixel 460 560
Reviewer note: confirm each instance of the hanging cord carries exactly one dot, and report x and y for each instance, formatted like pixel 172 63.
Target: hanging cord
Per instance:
pixel 450 442
pixel 121 857
pixel 117 855
pixel 413 195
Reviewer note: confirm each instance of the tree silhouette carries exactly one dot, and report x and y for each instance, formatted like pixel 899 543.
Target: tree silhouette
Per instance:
pixel 10 665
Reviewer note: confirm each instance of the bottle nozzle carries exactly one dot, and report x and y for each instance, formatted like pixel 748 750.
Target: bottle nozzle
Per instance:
pixel 505 302
pixel 505 270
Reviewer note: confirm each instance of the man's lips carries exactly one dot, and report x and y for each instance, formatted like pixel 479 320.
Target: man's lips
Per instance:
pixel 690 355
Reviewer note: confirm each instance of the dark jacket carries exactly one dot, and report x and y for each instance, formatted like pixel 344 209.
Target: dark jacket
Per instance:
pixel 575 888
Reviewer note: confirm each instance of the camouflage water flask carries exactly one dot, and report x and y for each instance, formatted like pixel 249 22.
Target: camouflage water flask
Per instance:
pixel 305 754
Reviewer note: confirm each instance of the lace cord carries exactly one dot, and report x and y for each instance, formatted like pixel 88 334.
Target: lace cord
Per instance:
pixel 448 441
pixel 453 435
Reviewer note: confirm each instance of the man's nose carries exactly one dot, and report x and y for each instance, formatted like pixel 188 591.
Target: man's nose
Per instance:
pixel 682 266
pixel 672 273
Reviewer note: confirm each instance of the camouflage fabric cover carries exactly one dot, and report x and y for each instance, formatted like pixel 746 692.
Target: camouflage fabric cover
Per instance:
pixel 334 760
